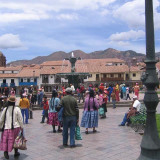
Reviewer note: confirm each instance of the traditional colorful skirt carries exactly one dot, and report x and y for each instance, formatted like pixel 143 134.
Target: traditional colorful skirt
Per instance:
pixel 53 119
pixel 7 139
pixel 89 119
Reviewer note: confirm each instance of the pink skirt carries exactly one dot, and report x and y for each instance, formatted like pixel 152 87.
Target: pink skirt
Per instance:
pixel 53 119
pixel 7 139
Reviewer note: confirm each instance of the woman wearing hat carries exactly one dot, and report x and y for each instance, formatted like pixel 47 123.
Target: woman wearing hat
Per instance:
pixel 90 114
pixel 11 123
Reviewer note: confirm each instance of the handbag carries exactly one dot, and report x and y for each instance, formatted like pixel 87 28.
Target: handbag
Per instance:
pixel 20 142
pixel 101 111
pixel 78 135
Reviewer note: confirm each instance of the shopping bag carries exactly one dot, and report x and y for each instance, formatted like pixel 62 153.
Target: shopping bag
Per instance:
pixel 101 111
pixel 20 142
pixel 78 133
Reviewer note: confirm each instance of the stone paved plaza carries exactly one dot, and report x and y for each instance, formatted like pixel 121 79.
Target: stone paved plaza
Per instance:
pixel 111 142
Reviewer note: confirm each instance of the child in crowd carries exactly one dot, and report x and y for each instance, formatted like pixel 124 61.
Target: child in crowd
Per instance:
pixel 113 95
pixel 45 106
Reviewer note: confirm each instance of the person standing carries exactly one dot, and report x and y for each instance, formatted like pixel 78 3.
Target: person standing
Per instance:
pixel 53 114
pixel 113 95
pixel 70 117
pixel 45 106
pixel 136 90
pixel 12 93
pixel 24 105
pixel 124 91
pixel 117 92
pixel 127 92
pixel 82 91
pixel 11 123
pixel 90 113
pixel 110 90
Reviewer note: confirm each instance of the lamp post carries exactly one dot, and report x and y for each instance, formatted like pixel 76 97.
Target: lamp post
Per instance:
pixel 150 145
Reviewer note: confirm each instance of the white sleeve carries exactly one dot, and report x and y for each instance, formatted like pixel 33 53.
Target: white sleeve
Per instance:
pixel 20 118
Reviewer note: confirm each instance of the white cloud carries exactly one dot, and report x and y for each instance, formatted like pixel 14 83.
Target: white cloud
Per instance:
pixel 125 36
pixel 133 13
pixel 67 17
pixel 40 9
pixel 10 41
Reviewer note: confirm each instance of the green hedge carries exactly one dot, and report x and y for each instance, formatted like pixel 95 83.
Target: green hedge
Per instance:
pixel 158 123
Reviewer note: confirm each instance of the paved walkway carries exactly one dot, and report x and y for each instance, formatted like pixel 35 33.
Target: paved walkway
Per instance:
pixel 111 142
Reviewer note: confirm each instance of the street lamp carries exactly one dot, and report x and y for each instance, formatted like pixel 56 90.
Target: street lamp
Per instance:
pixel 150 145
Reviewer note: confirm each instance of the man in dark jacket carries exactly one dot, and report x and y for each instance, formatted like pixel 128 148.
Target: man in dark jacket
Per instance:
pixel 70 117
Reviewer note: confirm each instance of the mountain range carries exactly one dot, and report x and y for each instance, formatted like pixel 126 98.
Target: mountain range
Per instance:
pixel 108 53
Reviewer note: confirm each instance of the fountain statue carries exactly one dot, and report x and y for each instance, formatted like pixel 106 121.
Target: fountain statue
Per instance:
pixel 74 77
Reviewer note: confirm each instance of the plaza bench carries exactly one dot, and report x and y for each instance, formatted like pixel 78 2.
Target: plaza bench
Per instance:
pixel 139 120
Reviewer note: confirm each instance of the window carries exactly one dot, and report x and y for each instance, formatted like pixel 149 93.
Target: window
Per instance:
pixel 21 79
pixel 134 74
pixel 12 80
pixel 4 80
pixel 35 79
pixel 112 75
pixel 28 79
pixel 119 75
pixel 45 79
pixel 12 71
pixel 104 75
pixel 2 71
pixel 120 63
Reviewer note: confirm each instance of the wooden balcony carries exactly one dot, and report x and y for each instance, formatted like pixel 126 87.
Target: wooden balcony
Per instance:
pixel 112 79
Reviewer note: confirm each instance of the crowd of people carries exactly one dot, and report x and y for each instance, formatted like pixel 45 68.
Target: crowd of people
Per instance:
pixel 62 110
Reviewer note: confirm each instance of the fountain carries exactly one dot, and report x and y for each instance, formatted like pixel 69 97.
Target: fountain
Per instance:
pixel 73 77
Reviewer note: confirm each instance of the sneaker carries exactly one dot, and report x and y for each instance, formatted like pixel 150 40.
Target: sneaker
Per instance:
pixel 121 125
pixel 41 122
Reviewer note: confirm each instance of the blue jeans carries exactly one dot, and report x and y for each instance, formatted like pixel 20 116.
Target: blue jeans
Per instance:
pixel 69 122
pixel 124 120
pixel 25 112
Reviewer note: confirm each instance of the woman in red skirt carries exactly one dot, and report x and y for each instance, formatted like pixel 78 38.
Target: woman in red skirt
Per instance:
pixel 53 114
pixel 11 122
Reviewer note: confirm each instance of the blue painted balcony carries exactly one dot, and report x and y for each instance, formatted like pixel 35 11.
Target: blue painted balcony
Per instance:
pixel 12 84
pixel 27 83
pixel 4 84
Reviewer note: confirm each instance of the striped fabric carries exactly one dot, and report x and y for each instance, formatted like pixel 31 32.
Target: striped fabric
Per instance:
pixel 7 139
pixel 89 119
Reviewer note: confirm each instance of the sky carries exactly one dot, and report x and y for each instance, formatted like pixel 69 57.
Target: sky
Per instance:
pixel 40 27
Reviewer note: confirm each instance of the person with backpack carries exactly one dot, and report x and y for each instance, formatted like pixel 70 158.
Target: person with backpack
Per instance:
pixel 90 113
pixel 53 114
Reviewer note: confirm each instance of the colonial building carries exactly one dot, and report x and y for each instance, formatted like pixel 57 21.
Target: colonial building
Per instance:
pixel 110 70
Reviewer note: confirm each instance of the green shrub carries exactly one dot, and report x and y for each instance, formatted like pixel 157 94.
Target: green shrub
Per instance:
pixel 158 123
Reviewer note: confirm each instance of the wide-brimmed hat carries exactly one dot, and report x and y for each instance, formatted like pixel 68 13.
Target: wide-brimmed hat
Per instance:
pixel 12 99
pixel 68 90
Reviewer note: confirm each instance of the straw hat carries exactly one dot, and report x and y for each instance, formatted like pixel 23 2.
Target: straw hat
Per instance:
pixel 12 99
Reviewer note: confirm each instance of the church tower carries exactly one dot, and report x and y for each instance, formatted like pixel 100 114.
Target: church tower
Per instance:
pixel 2 60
